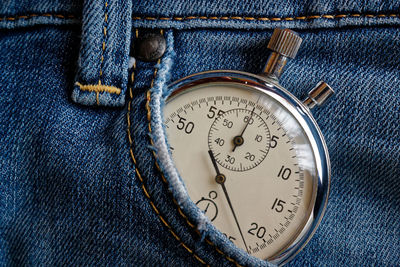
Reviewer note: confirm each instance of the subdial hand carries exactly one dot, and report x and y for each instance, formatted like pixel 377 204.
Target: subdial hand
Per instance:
pixel 220 179
pixel 238 139
pixel 205 210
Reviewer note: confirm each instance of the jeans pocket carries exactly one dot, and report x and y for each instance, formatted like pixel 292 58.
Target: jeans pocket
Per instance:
pixel 162 185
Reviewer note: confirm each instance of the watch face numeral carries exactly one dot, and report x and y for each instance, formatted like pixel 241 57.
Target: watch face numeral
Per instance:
pixel 274 141
pixel 184 125
pixel 250 156
pixel 284 173
pixel 230 159
pixel 248 119
pixel 227 123
pixel 257 231
pixel 219 141
pixel 214 112
pixel 278 205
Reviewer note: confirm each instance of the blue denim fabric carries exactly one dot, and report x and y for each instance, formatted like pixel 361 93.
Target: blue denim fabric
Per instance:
pixel 79 185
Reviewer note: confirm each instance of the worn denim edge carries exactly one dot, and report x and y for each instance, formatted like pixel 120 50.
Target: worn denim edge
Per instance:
pixel 176 186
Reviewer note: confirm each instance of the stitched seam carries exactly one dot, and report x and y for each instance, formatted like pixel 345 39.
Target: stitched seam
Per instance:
pixel 145 191
pixel 324 16
pixel 103 48
pixel 310 17
pixel 181 213
pixel 99 88
pixel 30 16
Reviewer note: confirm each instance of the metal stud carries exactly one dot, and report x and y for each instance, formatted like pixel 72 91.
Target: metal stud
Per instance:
pixel 149 47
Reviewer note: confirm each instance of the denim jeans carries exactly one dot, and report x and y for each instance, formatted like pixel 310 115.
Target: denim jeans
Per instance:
pixel 80 180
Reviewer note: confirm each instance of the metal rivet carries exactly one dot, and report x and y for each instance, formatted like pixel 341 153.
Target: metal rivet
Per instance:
pixel 149 47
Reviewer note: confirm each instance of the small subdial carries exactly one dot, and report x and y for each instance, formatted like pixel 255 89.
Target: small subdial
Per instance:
pixel 240 139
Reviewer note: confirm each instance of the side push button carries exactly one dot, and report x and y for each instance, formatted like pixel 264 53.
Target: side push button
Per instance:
pixel 318 95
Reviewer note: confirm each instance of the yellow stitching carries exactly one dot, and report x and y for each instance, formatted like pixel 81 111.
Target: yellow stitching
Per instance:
pixel 187 248
pixel 130 152
pixel 129 137
pixel 103 48
pixel 155 74
pixel 29 16
pixel 199 259
pixel 148 99
pixel 163 221
pixel 99 88
pixel 37 15
pixel 97 98
pixel 154 207
pixel 132 79
pixel 146 193
pixel 173 199
pixel 339 16
pixel 138 174
pixel 173 233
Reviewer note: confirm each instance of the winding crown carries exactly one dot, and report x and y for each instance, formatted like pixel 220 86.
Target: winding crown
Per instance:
pixel 285 42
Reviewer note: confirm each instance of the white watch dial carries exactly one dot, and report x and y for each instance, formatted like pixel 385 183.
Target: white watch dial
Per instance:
pixel 246 163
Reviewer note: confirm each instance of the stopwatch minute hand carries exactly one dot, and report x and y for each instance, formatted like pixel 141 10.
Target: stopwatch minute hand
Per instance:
pixel 220 179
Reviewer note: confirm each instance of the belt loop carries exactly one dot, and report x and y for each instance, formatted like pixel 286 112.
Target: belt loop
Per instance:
pixel 102 76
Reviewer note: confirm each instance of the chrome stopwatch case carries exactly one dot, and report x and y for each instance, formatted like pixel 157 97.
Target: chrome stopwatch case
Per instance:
pixel 251 155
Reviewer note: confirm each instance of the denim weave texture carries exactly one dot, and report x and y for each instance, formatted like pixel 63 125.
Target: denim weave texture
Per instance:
pixel 79 184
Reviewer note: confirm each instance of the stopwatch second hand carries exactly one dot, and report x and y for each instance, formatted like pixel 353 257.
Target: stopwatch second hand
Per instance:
pixel 238 139
pixel 220 179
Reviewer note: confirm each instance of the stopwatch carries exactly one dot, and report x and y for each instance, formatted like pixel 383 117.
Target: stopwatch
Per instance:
pixel 251 155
